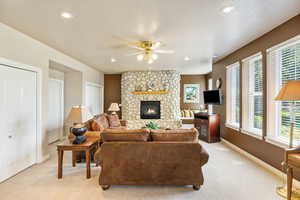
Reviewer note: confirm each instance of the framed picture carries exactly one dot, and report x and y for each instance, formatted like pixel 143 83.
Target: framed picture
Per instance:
pixel 191 93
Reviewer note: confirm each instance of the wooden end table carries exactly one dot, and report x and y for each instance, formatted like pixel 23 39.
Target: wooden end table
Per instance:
pixel 87 146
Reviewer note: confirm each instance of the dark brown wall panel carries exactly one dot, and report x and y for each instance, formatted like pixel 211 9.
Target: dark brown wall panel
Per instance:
pixel 191 79
pixel 260 148
pixel 112 90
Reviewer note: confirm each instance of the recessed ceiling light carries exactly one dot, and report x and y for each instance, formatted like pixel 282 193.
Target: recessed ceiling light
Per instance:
pixel 228 9
pixel 215 56
pixel 66 15
pixel 113 60
pixel 186 58
pixel 228 6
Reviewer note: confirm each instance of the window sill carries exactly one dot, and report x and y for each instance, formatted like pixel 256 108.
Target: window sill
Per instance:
pixel 233 126
pixel 254 133
pixel 277 142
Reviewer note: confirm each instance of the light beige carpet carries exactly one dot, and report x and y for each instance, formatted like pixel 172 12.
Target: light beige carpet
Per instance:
pixel 228 176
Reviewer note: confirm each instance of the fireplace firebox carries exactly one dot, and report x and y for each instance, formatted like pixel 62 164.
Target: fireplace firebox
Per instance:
pixel 150 109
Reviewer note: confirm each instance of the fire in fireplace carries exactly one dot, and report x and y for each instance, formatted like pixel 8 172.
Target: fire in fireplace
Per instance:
pixel 150 109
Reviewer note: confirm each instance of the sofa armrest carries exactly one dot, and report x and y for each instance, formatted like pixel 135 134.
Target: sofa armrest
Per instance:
pixel 93 134
pixel 124 123
pixel 203 157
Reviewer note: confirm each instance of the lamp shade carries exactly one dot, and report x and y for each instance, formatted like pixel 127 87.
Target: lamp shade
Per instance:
pixel 79 114
pixel 114 107
pixel 289 92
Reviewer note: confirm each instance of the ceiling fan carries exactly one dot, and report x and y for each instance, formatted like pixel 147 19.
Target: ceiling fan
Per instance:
pixel 148 50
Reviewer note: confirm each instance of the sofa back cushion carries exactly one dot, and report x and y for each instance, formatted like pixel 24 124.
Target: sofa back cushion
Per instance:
pixel 113 121
pixel 125 135
pixel 182 135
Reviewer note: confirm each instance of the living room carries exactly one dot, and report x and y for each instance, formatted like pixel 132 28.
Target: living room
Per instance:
pixel 140 100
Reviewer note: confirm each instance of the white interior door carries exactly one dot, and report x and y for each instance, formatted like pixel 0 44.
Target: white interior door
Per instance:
pixel 94 98
pixel 18 124
pixel 55 110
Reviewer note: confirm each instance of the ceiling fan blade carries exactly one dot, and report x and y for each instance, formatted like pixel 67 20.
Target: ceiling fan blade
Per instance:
pixel 156 45
pixel 126 40
pixel 134 54
pixel 164 51
pixel 119 46
pixel 135 47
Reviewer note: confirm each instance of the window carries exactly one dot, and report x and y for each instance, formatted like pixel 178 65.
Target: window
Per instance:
pixel 233 95
pixel 253 94
pixel 283 66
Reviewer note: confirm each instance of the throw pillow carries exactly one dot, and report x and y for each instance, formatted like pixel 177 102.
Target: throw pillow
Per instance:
pixel 101 120
pixel 113 121
pixel 187 113
pixel 95 126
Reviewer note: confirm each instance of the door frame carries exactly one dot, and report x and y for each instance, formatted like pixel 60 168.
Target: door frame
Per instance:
pixel 62 83
pixel 39 131
pixel 101 88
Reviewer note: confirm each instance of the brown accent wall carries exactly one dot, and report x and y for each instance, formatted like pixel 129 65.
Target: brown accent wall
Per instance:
pixel 191 79
pixel 112 90
pixel 258 147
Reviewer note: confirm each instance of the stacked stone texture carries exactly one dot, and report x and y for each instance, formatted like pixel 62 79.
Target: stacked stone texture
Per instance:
pixel 151 80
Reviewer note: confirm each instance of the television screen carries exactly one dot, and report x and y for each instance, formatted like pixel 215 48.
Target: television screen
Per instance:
pixel 212 97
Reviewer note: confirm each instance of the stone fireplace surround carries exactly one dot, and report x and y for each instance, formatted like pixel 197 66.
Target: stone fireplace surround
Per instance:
pixel 158 80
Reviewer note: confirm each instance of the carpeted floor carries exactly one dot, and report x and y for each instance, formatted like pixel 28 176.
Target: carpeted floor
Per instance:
pixel 228 176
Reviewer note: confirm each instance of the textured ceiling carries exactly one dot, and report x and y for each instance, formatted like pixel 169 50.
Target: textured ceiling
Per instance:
pixel 194 28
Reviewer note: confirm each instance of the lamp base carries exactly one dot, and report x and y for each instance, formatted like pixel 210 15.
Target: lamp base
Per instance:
pixel 282 191
pixel 79 139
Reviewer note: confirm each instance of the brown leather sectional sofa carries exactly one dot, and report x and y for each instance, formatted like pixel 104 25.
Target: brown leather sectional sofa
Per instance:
pixel 144 157
pixel 96 126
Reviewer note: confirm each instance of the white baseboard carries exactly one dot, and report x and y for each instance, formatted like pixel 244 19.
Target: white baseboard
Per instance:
pixel 44 158
pixel 257 160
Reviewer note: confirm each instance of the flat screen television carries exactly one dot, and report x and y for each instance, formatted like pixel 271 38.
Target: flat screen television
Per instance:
pixel 212 97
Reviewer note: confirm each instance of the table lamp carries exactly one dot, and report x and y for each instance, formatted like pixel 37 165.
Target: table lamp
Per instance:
pixel 289 92
pixel 78 116
pixel 114 107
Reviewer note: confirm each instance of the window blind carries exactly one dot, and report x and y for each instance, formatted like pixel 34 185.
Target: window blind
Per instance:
pixel 289 70
pixel 258 96
pixel 233 98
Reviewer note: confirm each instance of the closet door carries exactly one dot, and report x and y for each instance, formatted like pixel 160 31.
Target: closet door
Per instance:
pixel 18 108
pixel 55 110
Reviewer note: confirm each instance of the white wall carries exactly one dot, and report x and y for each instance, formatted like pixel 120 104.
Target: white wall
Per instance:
pixel 21 48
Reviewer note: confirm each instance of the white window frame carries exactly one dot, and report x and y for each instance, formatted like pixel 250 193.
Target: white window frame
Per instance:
pixel 247 97
pixel 230 120
pixel 273 87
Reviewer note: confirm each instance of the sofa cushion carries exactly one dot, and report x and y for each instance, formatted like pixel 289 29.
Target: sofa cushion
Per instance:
pixel 113 121
pixel 183 135
pixel 136 135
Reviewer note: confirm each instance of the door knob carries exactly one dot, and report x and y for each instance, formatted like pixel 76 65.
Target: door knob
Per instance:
pixel 10 136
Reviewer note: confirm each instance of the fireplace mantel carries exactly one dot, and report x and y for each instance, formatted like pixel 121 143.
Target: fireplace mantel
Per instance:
pixel 151 92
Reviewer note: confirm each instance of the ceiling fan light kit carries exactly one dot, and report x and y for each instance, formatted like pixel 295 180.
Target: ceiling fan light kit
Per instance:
pixel 148 50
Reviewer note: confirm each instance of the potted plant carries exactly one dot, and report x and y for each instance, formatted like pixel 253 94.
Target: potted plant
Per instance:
pixel 152 125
